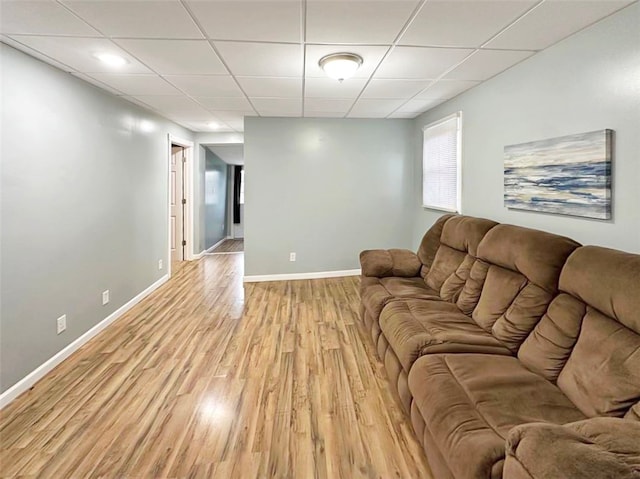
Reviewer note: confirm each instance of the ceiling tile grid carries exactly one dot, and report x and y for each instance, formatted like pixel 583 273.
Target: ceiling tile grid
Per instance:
pixel 209 64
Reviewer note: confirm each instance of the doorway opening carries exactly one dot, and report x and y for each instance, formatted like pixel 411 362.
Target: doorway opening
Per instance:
pixel 180 202
pixel 224 198
pixel 177 203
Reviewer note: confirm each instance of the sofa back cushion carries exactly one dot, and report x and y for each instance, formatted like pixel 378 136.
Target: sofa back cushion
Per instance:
pixel 456 254
pixel 547 348
pixel 430 244
pixel 514 280
pixel 602 373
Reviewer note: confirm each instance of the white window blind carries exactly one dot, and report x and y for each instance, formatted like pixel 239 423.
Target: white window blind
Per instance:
pixel 441 164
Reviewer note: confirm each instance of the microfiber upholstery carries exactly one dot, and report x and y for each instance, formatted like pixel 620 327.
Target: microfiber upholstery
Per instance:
pixel 603 448
pixel 606 279
pixel 589 339
pixel 504 303
pixel 376 292
pixel 634 412
pixel 382 263
pixel 470 402
pixel 394 273
pixel 514 280
pixel 602 374
pixel 547 349
pixel 430 244
pixel 515 352
pixel 414 328
pixel 443 260
pixel 456 255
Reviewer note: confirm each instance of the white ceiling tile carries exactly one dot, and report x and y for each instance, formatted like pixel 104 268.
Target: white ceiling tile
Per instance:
pixel 138 102
pixel 79 53
pixel 462 23
pixel 486 63
pixel 374 108
pixel 180 107
pixel 34 53
pixel 552 21
pixel 237 126
pixel 327 105
pixel 222 103
pixel 97 83
pixel 418 106
pixel 394 88
pixel 206 85
pixel 137 19
pixel 403 115
pixel 278 106
pixel 176 57
pixel 446 89
pixel 371 56
pixel 417 62
pixel 275 21
pixel 136 84
pixel 41 18
pixel 341 21
pixel 230 116
pixel 330 88
pixel 262 59
pixel 199 125
pixel 323 114
pixel 271 87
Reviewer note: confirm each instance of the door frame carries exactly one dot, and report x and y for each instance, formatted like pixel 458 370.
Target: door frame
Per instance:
pixel 187 220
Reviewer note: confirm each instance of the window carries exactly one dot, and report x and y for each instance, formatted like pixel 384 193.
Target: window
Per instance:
pixel 242 187
pixel 441 183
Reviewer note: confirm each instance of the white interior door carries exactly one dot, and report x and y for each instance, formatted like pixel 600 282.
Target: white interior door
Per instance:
pixel 177 203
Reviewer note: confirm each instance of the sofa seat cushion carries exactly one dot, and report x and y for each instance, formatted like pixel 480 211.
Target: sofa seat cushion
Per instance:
pixel 415 327
pixel 469 402
pixel 376 292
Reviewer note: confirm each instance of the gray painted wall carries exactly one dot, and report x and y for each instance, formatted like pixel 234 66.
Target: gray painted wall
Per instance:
pixel 84 208
pixel 590 81
pixel 215 187
pixel 325 189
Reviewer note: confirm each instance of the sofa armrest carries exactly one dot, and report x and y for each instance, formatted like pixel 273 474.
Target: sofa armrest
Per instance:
pixel 597 448
pixel 381 263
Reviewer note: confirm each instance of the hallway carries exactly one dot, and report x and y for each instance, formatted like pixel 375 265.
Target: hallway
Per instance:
pixel 230 246
pixel 207 379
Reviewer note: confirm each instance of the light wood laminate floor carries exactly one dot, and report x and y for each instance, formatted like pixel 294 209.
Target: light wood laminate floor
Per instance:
pixel 230 246
pixel 205 379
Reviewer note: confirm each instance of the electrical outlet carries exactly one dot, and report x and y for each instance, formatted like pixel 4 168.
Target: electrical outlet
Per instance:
pixel 61 323
pixel 105 297
pixel 159 264
pixel 292 256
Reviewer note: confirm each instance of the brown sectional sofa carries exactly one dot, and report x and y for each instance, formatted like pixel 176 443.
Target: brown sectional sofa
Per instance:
pixel 504 342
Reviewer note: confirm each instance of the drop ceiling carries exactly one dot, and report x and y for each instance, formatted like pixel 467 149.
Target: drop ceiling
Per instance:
pixel 197 62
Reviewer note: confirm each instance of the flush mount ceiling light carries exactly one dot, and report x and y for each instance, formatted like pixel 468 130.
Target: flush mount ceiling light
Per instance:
pixel 340 66
pixel 213 125
pixel 111 59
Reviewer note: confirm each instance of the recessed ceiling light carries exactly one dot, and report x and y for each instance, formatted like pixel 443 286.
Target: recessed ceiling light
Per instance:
pixel 111 59
pixel 340 66
pixel 214 125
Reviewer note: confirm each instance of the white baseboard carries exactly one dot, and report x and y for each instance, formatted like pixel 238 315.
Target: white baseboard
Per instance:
pixel 294 276
pixel 209 250
pixel 199 255
pixel 34 376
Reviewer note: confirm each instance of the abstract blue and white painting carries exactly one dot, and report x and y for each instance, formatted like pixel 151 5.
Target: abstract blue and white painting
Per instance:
pixel 569 175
